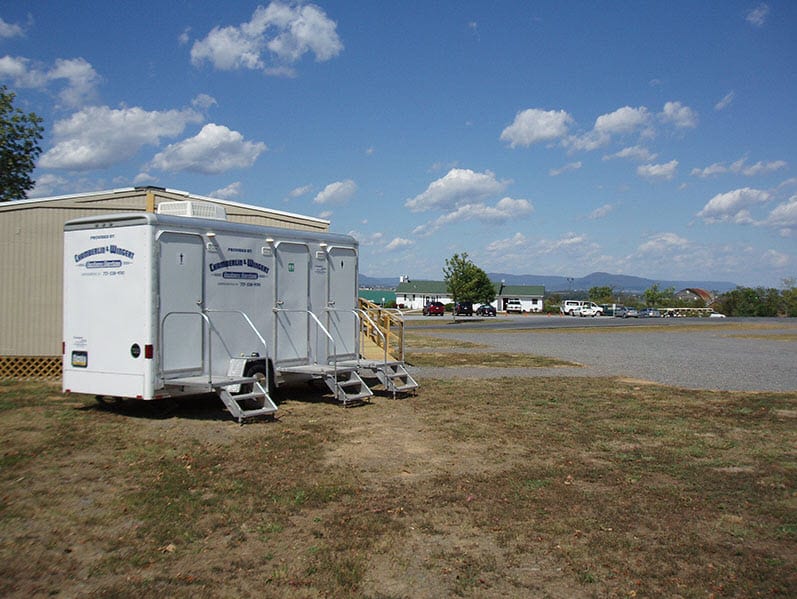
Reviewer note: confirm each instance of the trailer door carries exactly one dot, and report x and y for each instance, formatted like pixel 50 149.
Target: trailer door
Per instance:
pixel 342 294
pixel 292 298
pixel 181 268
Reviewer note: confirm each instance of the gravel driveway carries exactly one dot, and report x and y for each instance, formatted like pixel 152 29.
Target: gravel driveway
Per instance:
pixel 737 354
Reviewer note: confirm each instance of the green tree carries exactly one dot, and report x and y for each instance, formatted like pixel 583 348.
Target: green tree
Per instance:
pixel 466 282
pixel 601 295
pixel 20 134
pixel 658 297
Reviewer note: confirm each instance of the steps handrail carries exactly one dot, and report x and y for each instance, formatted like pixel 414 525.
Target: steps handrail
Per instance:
pixel 393 315
pixel 204 314
pixel 251 326
pixel 323 330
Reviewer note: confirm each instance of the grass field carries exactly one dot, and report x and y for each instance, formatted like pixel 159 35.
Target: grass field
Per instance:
pixel 512 487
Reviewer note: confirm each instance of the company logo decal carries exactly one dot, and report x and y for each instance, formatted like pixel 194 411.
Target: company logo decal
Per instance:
pixel 226 270
pixel 104 257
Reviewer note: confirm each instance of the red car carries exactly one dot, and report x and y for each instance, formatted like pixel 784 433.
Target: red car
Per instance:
pixel 434 308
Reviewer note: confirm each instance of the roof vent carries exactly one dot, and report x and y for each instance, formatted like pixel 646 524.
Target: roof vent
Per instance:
pixel 193 209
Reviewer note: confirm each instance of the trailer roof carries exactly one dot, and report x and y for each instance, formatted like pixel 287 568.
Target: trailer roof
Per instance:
pixel 192 222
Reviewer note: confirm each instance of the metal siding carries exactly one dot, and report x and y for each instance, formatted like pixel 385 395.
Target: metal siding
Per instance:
pixel 31 259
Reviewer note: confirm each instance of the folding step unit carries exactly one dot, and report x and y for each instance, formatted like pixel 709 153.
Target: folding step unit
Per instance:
pixel 347 386
pixel 393 375
pixel 239 404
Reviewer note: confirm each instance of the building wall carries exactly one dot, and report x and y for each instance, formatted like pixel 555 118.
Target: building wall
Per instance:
pixel 31 258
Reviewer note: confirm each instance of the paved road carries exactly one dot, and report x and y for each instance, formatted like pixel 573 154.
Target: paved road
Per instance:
pixel 725 354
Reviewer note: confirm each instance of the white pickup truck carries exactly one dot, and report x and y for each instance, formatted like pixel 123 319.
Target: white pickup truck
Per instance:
pixel 580 308
pixel 589 309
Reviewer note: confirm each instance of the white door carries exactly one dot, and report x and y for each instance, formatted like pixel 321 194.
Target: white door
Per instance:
pixel 342 293
pixel 292 299
pixel 181 268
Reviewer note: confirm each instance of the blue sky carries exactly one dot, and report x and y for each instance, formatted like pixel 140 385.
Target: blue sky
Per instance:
pixel 654 139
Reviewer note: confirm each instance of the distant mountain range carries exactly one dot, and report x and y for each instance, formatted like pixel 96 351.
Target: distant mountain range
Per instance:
pixel 620 283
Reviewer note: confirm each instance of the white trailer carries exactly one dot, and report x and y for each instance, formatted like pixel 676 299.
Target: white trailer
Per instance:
pixel 157 305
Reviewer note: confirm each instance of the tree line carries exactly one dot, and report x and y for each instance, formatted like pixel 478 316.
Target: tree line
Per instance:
pixel 742 301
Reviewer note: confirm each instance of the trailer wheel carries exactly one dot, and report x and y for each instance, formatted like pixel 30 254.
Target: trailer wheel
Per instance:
pixel 258 371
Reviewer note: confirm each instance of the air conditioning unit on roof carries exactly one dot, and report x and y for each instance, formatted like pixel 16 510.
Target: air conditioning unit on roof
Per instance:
pixel 194 209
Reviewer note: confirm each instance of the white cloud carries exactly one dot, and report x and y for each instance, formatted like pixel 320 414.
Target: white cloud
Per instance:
pixel 99 136
pixel 458 187
pixel 663 242
pixel 784 215
pixel 80 77
pixel 638 153
pixel 504 210
pixel 338 192
pixel 572 166
pixel 9 30
pixel 518 240
pixel 233 190
pixel 763 167
pixel 757 17
pixel 621 121
pixel 144 178
pixel 398 243
pixel 679 115
pixel 658 171
pixel 776 259
pixel 739 167
pixel 47 184
pixel 203 102
pixel 276 37
pixel 215 149
pixel 534 125
pixel 601 212
pixel 726 101
pixel 733 205
pixel 298 192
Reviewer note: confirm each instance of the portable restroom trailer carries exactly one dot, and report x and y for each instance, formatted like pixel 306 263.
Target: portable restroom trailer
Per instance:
pixel 159 305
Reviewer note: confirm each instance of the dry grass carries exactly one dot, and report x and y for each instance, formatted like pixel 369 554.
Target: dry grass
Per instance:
pixel 512 487
pixel 484 359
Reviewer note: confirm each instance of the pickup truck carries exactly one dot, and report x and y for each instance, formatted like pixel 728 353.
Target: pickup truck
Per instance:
pixel 580 308
pixel 588 309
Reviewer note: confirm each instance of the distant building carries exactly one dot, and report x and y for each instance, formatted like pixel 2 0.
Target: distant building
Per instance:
pixel 378 296
pixel 694 294
pixel 414 295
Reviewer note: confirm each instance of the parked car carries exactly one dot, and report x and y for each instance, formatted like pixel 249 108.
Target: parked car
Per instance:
pixel 649 313
pixel 513 305
pixel 588 309
pixel 569 307
pixel 434 308
pixel 463 309
pixel 485 310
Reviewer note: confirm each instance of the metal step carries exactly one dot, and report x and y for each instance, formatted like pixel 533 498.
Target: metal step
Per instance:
pixel 234 402
pixel 393 375
pixel 348 387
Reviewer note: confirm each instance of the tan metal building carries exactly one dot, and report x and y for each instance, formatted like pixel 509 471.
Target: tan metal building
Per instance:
pixel 31 264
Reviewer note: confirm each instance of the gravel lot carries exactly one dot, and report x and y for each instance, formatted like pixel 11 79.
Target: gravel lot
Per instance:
pixel 732 354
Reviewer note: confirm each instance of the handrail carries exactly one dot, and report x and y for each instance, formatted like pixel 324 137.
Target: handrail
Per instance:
pixel 323 330
pixel 254 330
pixel 385 317
pixel 357 313
pixel 207 319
